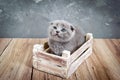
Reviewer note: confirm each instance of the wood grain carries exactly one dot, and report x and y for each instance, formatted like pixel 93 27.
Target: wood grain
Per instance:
pixel 4 42
pixel 16 61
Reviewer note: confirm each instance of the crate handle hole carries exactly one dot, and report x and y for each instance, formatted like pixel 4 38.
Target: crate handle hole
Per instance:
pixel 58 66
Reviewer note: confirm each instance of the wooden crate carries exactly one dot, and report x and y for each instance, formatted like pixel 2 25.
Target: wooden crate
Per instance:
pixel 64 65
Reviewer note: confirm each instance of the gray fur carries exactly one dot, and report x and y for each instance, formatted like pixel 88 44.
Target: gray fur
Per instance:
pixel 69 38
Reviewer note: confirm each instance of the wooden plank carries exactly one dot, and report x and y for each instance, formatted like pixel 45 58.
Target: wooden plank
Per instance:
pixel 52 77
pixel 114 46
pixel 77 63
pixel 39 75
pixel 50 68
pixel 78 52
pixel 16 60
pixel 103 64
pixel 82 73
pixel 51 58
pixel 4 42
pixel 72 77
pixel 95 68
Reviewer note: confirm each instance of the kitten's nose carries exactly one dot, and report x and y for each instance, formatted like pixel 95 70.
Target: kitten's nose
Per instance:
pixel 57 31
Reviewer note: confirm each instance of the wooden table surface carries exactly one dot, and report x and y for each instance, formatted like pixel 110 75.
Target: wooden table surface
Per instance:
pixel 16 61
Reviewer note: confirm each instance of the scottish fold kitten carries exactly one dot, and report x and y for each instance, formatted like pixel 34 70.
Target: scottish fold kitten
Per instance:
pixel 64 36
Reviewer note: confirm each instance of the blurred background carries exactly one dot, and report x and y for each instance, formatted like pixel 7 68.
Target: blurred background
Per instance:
pixel 30 18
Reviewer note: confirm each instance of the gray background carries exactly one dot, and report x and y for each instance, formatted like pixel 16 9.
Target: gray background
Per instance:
pixel 29 18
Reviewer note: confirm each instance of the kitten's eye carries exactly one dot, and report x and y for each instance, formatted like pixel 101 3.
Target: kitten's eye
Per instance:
pixel 54 27
pixel 63 29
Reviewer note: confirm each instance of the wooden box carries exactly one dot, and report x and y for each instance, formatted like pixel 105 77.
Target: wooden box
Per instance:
pixel 64 65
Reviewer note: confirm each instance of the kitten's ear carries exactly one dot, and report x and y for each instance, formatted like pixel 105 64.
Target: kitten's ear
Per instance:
pixel 72 28
pixel 51 23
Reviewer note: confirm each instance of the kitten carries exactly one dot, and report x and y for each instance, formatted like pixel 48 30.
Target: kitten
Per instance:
pixel 64 36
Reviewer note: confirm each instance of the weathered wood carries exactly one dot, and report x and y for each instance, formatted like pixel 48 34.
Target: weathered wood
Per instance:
pixel 50 68
pixel 77 62
pixel 81 54
pixel 86 45
pixel 51 58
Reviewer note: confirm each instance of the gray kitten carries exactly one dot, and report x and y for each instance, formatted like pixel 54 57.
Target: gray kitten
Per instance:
pixel 64 36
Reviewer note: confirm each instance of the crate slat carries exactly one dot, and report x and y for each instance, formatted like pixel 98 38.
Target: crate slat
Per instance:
pixel 51 58
pixel 50 68
pixel 76 63
pixel 78 52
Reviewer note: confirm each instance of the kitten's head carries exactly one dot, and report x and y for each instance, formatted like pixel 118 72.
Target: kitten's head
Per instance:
pixel 60 30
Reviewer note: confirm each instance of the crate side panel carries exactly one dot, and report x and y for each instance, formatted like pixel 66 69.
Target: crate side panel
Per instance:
pixel 52 58
pixel 50 68
pixel 78 52
pixel 77 63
